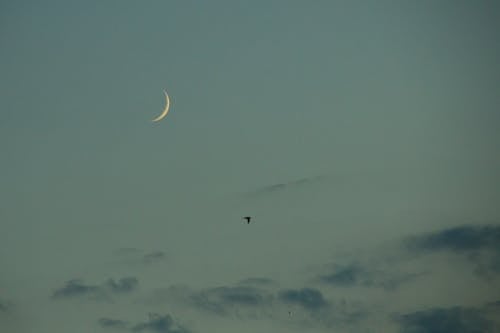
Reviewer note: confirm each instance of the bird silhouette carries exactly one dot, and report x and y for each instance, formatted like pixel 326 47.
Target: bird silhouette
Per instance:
pixel 247 218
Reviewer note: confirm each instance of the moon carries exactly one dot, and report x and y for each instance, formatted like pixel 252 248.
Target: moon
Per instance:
pixel 165 111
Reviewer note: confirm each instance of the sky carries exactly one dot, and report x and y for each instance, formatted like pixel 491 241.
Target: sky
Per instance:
pixel 361 136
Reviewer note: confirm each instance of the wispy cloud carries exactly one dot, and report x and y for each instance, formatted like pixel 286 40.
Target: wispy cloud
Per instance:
pixel 224 300
pixel 240 300
pixel 132 255
pixel 5 306
pixel 153 257
pixel 312 308
pixel 308 298
pixel 318 304
pixel 112 323
pixel 478 244
pixel 160 324
pixel 124 285
pixel 261 282
pixel 455 319
pixel 77 288
pixel 155 323
pixel 458 239
pixel 345 276
pixel 289 185
pixel 358 275
pixel 303 305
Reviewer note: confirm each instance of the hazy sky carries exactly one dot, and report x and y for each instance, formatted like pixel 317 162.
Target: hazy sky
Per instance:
pixel 363 136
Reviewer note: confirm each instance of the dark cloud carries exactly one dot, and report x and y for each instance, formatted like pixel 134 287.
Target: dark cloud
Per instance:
pixel 153 257
pixel 314 309
pixel 223 300
pixel 5 306
pixel 242 301
pixel 77 288
pixel 302 305
pixel 478 244
pixel 124 285
pixel 394 281
pixel 494 305
pixel 345 276
pixel 134 256
pixel 487 264
pixel 112 323
pixel 356 275
pixel 287 185
pixel 458 239
pixel 445 320
pixel 491 310
pixel 308 298
pixel 258 281
pixel 237 295
pixel 160 324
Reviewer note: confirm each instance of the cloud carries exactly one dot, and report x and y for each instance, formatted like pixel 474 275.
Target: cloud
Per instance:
pixel 493 305
pixel 258 281
pixel 124 285
pixel 5 306
pixel 132 255
pixel 112 323
pixel 301 306
pixel 357 275
pixel 479 244
pixel 155 323
pixel 287 185
pixel 320 311
pixel 241 300
pixel 77 288
pixel 344 276
pixel 153 257
pixel 160 324
pixel 224 300
pixel 239 295
pixel 308 298
pixel 458 239
pixel 443 320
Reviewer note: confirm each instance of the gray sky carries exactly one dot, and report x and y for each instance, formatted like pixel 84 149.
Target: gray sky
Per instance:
pixel 362 136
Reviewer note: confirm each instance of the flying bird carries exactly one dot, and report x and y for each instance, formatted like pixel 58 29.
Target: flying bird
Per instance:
pixel 247 218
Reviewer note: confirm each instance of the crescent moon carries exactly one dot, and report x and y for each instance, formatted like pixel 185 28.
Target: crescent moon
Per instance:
pixel 165 111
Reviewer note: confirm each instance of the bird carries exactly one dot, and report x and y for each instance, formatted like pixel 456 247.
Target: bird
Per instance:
pixel 247 218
